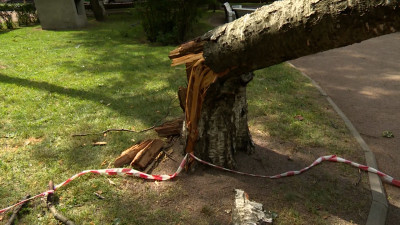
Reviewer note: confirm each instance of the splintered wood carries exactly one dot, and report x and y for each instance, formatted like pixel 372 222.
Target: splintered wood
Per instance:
pixel 170 128
pixel 182 97
pixel 146 155
pixel 200 77
pixel 140 155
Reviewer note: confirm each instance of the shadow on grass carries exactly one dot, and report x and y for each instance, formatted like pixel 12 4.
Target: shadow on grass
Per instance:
pixel 140 65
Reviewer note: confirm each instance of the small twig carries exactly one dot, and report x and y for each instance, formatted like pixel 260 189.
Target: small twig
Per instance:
pixel 169 156
pixel 155 163
pixel 171 143
pixel 50 205
pixel 359 178
pixel 111 130
pixel 98 195
pixel 16 210
pixel 368 135
pixel 158 123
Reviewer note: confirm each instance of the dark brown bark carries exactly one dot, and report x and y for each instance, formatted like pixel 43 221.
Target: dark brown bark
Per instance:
pixel 182 97
pixel 170 128
pixel 287 30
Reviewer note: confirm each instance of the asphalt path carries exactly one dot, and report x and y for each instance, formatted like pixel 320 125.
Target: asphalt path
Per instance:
pixel 363 80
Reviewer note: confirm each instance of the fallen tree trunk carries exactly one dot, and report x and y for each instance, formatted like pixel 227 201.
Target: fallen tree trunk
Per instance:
pixel 219 62
pixel 287 30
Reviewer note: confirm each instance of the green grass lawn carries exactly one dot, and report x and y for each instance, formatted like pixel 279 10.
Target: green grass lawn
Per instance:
pixel 57 83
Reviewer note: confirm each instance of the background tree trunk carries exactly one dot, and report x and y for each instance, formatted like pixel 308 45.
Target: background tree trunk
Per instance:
pixel 98 10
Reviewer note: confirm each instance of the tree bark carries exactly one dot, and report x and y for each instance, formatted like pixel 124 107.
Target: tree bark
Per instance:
pixel 287 30
pixel 273 34
pixel 223 128
pixel 98 10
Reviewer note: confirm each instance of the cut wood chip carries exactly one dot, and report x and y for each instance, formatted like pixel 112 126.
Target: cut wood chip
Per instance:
pixel 129 154
pixel 99 143
pixel 146 155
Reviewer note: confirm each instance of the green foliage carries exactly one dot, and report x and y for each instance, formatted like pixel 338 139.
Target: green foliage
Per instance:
pixel 26 14
pixel 169 21
pixel 7 18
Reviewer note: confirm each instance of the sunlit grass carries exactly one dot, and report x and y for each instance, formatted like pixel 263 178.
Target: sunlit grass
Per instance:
pixel 57 83
pixel 279 94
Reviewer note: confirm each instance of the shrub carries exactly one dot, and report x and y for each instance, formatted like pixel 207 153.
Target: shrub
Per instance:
pixel 26 14
pixel 168 21
pixel 7 19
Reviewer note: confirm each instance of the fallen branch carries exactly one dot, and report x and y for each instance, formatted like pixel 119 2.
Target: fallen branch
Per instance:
pixel 16 210
pixel 113 130
pixel 158 123
pixel 50 205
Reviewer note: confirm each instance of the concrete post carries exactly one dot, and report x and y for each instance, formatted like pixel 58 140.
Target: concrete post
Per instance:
pixel 61 14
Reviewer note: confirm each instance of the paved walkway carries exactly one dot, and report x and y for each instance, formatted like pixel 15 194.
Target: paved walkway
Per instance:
pixel 364 81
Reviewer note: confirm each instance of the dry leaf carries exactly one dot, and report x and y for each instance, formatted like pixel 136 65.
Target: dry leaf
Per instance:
pixel 104 163
pixel 299 117
pixel 111 182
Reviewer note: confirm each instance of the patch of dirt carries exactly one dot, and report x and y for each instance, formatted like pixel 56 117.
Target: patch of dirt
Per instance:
pixel 325 194
pixel 2 67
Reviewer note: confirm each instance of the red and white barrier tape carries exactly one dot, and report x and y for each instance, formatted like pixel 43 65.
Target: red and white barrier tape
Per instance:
pixel 116 171
pixel 331 158
pixel 132 172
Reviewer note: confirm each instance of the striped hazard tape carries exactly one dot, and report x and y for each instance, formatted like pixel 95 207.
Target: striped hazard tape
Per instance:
pixel 132 172
pixel 110 172
pixel 331 158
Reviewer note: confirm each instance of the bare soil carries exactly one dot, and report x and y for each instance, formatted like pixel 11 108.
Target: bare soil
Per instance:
pixel 364 81
pixel 323 195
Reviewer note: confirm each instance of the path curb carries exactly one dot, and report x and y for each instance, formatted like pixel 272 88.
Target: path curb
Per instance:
pixel 379 206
